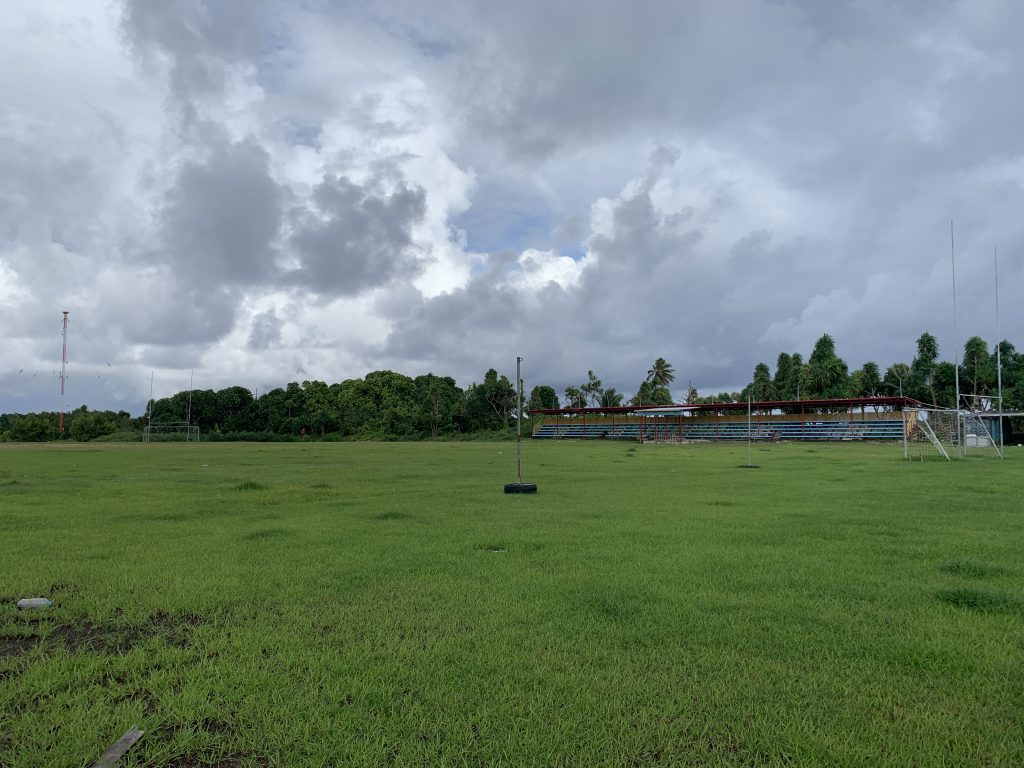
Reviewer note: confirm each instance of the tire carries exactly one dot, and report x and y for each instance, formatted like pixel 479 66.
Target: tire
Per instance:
pixel 520 488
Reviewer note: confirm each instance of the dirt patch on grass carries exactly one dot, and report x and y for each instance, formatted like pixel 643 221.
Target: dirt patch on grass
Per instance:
pixel 84 635
pixel 16 645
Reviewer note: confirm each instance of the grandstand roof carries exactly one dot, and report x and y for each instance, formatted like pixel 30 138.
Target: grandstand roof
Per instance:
pixel 758 405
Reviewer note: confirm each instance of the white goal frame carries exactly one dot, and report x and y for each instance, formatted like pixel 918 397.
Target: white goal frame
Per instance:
pixel 950 433
pixel 171 431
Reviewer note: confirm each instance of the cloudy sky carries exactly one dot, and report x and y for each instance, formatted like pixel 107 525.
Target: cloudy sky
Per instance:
pixel 266 191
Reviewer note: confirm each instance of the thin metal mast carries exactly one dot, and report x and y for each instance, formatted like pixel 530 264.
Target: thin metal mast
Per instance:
pixel 519 421
pixel 956 347
pixel 750 461
pixel 999 359
pixel 63 366
pixel 188 415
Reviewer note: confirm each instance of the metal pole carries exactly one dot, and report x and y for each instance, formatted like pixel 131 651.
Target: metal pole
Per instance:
pixel 750 461
pixel 999 358
pixel 63 367
pixel 906 449
pixel 149 425
pixel 956 347
pixel 188 415
pixel 519 421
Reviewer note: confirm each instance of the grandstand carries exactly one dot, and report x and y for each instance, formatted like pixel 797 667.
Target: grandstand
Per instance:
pixel 848 419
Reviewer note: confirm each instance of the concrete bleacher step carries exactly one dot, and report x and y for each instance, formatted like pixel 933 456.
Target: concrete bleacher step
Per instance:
pixel 891 429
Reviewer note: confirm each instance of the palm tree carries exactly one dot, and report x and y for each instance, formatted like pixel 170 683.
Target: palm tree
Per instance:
pixel 661 373
pixel 611 398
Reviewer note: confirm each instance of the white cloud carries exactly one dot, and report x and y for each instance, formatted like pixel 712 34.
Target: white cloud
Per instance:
pixel 275 191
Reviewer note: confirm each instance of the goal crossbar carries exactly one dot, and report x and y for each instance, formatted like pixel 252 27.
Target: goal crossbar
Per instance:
pixel 171 430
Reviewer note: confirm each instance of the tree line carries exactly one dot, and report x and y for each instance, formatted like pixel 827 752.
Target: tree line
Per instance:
pixel 389 405
pixel 383 404
pixel 825 375
pixel 926 378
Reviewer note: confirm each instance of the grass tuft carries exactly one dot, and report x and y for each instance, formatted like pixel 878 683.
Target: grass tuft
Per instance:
pixel 250 485
pixel 982 601
pixel 972 569
pixel 394 516
pixel 267 533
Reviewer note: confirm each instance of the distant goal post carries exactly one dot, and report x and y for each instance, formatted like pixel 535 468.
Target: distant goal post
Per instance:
pixel 171 432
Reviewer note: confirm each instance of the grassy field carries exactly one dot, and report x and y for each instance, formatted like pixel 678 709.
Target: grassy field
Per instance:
pixel 386 604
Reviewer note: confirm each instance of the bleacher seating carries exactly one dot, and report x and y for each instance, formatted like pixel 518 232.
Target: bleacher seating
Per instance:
pixel 874 429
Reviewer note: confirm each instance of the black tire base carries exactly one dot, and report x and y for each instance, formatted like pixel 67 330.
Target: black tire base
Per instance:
pixel 520 487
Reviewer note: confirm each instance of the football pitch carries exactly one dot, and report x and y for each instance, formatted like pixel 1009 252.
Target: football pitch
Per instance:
pixel 365 604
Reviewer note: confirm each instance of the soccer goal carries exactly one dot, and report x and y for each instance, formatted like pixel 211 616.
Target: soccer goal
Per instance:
pixel 947 434
pixel 171 432
pixel 932 433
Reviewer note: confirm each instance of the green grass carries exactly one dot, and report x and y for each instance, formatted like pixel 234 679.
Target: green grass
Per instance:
pixel 386 604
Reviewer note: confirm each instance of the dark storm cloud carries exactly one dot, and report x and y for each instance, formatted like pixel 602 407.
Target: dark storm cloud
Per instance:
pixel 199 38
pixel 567 77
pixel 465 327
pixel 221 218
pixel 41 195
pixel 167 312
pixel 265 332
pixel 355 237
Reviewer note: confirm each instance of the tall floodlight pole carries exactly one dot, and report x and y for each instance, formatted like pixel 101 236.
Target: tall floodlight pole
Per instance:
pixel 999 359
pixel 63 366
pixel 956 347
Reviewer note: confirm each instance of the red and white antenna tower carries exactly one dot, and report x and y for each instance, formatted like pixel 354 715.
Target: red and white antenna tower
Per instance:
pixel 63 367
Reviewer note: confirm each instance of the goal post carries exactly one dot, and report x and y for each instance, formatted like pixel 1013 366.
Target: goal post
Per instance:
pixel 931 433
pixel 171 432
pixel 947 434
pixel 976 435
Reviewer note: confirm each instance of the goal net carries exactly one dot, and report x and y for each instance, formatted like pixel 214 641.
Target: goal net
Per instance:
pixel 947 434
pixel 977 419
pixel 171 431
pixel 932 433
pixel 977 437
